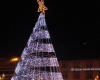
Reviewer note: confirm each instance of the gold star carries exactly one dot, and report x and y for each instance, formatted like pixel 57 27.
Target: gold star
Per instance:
pixel 42 7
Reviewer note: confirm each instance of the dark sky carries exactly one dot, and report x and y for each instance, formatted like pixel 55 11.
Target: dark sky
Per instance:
pixel 70 23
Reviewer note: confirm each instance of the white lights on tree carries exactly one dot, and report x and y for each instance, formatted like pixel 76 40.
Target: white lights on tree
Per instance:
pixel 38 60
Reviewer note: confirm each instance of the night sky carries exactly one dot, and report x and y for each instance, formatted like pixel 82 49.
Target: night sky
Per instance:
pixel 74 27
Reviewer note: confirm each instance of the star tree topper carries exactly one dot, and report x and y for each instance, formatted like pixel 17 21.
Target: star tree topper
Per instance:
pixel 42 7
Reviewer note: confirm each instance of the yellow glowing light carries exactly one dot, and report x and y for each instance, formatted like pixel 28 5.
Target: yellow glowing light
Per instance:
pixel 3 75
pixel 14 59
pixel 96 78
pixel 0 78
pixel 42 7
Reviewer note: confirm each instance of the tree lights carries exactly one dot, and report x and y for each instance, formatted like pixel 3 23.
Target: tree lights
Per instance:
pixel 38 60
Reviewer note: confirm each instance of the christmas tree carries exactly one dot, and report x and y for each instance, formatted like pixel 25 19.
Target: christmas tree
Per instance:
pixel 38 60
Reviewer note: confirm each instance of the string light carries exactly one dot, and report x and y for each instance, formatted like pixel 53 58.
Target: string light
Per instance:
pixel 33 64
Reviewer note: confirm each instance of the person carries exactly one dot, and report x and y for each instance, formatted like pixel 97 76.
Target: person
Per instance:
pixel 96 78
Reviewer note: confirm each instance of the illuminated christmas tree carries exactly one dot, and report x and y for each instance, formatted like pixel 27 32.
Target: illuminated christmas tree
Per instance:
pixel 38 60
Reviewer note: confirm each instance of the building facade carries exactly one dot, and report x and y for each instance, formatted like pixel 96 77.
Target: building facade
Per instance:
pixel 7 66
pixel 80 69
pixel 71 69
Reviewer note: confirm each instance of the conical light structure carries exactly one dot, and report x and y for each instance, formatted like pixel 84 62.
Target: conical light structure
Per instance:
pixel 38 59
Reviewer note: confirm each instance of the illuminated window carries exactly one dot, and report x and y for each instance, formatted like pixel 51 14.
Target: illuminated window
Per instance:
pixel 65 74
pixel 64 64
pixel 89 75
pixel 76 75
pixel 89 64
pixel 76 64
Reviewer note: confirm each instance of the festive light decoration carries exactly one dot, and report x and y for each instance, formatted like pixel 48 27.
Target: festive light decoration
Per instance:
pixel 42 7
pixel 38 60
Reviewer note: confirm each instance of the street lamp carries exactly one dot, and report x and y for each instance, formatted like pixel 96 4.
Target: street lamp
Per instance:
pixel 14 59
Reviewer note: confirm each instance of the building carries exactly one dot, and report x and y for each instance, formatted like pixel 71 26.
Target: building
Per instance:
pixel 7 66
pixel 71 69
pixel 80 69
